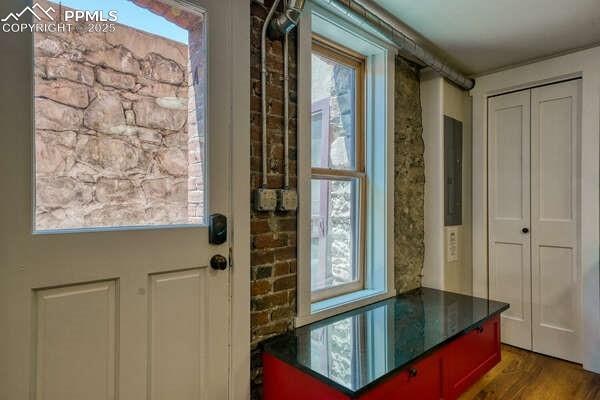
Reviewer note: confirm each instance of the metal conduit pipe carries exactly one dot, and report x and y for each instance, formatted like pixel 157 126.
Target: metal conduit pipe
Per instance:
pixel 370 22
pixel 282 25
pixel 286 112
pixel 263 88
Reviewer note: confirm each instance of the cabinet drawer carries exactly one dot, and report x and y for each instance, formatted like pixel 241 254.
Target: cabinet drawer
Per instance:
pixel 421 381
pixel 283 381
pixel 469 357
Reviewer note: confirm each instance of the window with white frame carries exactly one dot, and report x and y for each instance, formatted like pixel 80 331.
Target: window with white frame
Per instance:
pixel 345 166
pixel 338 180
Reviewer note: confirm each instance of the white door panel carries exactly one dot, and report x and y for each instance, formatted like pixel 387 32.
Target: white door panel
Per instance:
pixel 75 333
pixel 554 187
pixel 129 314
pixel 509 254
pixel 177 316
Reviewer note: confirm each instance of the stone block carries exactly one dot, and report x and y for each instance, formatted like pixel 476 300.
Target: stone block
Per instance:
pixel 114 79
pixel 58 192
pixel 173 161
pixel 162 69
pixel 110 154
pixel 62 68
pixel 63 91
pixel 150 115
pixel 54 116
pixel 118 58
pixel 105 113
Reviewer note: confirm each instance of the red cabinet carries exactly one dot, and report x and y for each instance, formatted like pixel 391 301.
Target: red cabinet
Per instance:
pixel 421 381
pixel 470 356
pixel 444 374
pixel 283 381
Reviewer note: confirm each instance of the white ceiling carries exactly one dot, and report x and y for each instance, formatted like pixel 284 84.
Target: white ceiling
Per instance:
pixel 483 35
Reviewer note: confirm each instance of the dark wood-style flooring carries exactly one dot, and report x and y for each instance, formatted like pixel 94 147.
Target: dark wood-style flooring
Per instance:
pixel 524 375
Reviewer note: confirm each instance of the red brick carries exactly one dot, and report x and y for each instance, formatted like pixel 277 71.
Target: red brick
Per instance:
pixel 286 253
pixel 282 268
pixel 261 257
pixel 259 318
pixel 269 240
pixel 259 226
pixel 284 312
pixel 284 283
pixel 268 301
pixel 260 287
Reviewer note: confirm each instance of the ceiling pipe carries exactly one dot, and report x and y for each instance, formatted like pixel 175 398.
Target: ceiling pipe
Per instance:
pixel 366 18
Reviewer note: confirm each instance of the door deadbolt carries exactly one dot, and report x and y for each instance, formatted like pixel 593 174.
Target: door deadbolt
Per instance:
pixel 218 262
pixel 525 230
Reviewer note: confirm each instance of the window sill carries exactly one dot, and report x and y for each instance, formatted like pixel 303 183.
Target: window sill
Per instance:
pixel 337 305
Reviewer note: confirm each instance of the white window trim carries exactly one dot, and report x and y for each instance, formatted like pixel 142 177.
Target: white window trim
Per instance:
pixel 380 66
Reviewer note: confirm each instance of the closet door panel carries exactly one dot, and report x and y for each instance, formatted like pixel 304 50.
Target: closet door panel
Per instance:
pixel 556 277
pixel 509 213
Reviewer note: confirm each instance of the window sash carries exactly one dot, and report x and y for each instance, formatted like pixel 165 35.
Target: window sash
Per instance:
pixel 341 55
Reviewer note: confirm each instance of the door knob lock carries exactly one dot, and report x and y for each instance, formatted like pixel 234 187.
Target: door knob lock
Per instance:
pixel 218 262
pixel 525 230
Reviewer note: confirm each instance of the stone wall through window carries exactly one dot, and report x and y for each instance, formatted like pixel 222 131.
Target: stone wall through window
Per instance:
pixel 120 126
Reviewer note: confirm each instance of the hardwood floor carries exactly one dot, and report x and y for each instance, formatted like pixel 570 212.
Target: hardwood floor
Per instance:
pixel 524 375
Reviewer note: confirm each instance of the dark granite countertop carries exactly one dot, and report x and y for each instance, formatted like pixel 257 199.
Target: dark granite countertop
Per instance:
pixel 354 350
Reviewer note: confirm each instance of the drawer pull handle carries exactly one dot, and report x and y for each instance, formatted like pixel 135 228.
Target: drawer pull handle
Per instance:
pixel 480 329
pixel 412 372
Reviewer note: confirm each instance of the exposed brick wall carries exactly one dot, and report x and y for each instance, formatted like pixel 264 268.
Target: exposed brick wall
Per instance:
pixel 273 234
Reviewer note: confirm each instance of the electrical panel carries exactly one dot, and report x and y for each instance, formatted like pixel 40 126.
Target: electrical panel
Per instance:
pixel 453 131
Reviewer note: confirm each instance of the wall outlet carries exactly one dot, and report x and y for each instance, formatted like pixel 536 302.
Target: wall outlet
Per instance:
pixel 287 200
pixel 265 199
pixel 452 244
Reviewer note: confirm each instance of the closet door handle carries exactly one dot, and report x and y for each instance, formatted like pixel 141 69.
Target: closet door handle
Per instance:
pixel 525 230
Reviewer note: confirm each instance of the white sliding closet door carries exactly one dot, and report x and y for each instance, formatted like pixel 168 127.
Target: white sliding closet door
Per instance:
pixel 554 211
pixel 533 217
pixel 509 213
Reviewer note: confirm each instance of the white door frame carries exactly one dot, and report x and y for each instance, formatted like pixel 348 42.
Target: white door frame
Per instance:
pixel 582 64
pixel 239 128
pixel 239 373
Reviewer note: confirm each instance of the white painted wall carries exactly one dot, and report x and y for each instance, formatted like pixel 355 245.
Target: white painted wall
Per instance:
pixel 458 274
pixel 438 97
pixel 584 64
pixel 432 86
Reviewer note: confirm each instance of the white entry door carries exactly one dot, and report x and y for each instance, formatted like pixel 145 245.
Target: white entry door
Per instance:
pixel 106 290
pixel 509 213
pixel 533 217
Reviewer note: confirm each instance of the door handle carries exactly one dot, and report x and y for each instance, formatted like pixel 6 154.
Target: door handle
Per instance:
pixel 525 230
pixel 218 262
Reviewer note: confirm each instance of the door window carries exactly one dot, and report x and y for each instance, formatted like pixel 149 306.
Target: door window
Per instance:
pixel 119 116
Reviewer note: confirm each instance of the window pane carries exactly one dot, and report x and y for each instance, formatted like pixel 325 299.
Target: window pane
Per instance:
pixel 334 97
pixel 119 117
pixel 334 216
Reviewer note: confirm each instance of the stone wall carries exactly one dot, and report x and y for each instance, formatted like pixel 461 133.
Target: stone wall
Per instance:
pixel 115 145
pixel 273 234
pixel 409 179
